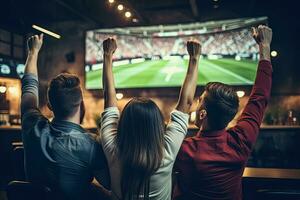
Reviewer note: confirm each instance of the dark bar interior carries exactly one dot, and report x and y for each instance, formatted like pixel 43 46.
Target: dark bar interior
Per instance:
pixel 151 60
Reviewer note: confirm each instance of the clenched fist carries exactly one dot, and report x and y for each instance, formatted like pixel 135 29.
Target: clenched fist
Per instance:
pixel 262 35
pixel 194 48
pixel 109 46
pixel 34 43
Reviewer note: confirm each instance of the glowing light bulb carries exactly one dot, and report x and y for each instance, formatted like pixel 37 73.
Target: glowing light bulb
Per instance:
pixel 240 93
pixel 119 96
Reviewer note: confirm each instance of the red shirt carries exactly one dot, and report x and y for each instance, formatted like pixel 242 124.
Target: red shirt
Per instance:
pixel 211 164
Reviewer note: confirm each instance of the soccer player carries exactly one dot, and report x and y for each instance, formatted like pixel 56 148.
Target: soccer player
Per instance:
pixel 139 149
pixel 59 154
pixel 211 164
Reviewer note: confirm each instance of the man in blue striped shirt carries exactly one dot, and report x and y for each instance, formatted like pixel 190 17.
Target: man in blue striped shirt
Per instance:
pixel 59 154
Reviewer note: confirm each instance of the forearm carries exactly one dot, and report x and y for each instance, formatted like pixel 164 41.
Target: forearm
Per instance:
pixel 263 81
pixel 108 82
pixel 251 118
pixel 31 63
pixel 29 99
pixel 189 86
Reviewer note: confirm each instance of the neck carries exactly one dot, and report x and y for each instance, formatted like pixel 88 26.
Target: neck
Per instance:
pixel 204 126
pixel 74 119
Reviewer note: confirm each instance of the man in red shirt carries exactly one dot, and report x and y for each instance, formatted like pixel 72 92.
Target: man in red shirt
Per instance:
pixel 211 164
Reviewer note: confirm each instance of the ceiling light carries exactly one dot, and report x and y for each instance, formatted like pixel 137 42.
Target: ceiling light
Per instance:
pixel 120 7
pixel 127 14
pixel 111 1
pixel 46 31
pixel 274 53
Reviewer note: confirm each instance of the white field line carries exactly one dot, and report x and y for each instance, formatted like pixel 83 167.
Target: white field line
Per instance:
pixel 171 68
pixel 230 73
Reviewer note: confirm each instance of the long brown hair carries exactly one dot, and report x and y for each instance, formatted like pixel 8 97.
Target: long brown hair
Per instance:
pixel 140 142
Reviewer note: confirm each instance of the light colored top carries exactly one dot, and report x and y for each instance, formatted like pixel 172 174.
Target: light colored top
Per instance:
pixel 160 182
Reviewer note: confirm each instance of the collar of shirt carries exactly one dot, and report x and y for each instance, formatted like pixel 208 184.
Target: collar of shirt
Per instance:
pixel 214 133
pixel 67 126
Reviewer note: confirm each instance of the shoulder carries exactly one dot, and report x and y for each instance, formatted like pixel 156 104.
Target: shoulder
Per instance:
pixel 33 118
pixel 188 147
pixel 190 142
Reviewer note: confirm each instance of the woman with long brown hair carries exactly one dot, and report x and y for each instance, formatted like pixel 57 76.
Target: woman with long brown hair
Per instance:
pixel 139 148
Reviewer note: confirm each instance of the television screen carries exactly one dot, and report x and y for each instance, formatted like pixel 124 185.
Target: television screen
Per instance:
pixel 11 68
pixel 156 56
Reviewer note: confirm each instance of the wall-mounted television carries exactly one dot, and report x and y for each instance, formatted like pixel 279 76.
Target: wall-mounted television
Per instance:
pixel 156 56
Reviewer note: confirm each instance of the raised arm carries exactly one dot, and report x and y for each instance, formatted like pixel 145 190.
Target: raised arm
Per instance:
pixel 29 98
pixel 109 92
pixel 250 120
pixel 188 88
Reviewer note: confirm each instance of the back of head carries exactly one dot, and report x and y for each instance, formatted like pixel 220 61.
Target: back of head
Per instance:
pixel 140 145
pixel 65 95
pixel 221 103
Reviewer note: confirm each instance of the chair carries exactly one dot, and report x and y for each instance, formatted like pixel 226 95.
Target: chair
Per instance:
pixel 21 190
pixel 18 163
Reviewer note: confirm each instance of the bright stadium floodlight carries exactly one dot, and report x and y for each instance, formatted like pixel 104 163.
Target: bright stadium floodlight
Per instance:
pixel 46 31
pixel 111 1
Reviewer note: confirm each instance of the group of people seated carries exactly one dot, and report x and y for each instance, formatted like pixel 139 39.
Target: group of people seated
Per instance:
pixel 135 155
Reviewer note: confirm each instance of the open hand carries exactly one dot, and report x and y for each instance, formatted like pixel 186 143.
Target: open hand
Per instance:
pixel 109 46
pixel 194 48
pixel 35 42
pixel 262 35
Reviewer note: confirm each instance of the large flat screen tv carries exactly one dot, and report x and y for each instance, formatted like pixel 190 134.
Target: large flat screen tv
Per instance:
pixel 156 56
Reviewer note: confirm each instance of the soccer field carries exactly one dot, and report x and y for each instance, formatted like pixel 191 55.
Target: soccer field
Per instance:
pixel 171 73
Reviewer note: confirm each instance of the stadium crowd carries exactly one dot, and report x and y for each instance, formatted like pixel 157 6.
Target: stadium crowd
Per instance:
pixel 231 43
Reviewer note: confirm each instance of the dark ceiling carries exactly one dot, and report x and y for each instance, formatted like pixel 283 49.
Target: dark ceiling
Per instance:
pixel 19 15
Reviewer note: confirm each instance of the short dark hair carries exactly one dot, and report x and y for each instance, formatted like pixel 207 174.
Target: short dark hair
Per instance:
pixel 221 103
pixel 64 95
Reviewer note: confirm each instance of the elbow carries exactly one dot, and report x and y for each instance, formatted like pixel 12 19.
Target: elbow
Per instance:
pixel 190 101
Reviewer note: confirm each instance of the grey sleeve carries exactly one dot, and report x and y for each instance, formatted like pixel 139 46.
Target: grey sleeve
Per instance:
pixel 108 130
pixel 175 133
pixel 30 113
pixel 30 85
pixel 30 93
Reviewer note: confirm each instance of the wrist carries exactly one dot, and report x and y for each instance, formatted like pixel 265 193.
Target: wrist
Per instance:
pixel 264 52
pixel 194 57
pixel 33 52
pixel 264 45
pixel 107 55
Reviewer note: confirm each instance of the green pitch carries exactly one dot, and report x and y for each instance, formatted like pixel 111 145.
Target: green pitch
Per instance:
pixel 170 73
